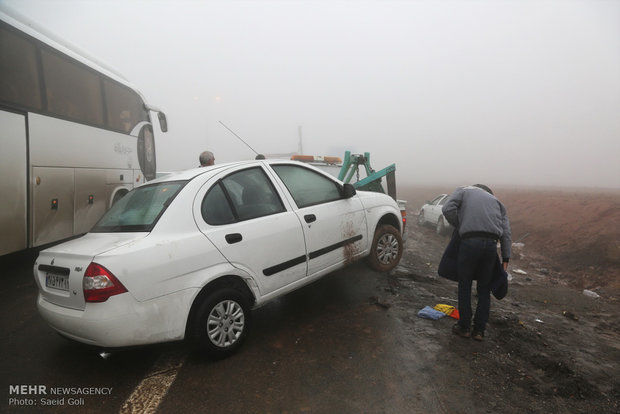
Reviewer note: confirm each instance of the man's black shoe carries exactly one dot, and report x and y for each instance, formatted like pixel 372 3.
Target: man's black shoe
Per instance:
pixel 477 335
pixel 462 332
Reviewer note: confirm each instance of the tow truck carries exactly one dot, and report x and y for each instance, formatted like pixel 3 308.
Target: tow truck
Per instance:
pixel 357 167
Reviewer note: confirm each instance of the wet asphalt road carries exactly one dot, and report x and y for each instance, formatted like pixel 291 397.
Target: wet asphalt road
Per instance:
pixel 326 348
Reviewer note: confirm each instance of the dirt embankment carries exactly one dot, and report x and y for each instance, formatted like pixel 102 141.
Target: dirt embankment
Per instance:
pixel 549 348
pixel 576 232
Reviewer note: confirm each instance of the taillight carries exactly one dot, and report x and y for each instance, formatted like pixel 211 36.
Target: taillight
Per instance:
pixel 403 213
pixel 99 284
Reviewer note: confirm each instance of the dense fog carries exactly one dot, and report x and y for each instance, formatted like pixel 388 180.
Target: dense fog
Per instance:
pixel 453 92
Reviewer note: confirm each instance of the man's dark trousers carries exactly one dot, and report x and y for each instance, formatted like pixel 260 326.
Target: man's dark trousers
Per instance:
pixel 475 262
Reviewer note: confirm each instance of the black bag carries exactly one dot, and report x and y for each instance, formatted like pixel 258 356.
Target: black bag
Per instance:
pixel 448 263
pixel 499 282
pixel 448 268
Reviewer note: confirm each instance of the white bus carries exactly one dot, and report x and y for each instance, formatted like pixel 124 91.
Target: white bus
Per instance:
pixel 74 137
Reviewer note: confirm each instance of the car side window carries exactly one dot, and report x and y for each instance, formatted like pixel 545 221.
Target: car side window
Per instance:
pixel 243 195
pixel 306 186
pixel 215 207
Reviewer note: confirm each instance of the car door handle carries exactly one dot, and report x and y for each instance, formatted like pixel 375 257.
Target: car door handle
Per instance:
pixel 233 238
pixel 310 218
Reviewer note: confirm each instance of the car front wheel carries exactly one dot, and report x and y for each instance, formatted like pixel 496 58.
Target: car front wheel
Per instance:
pixel 222 322
pixel 421 218
pixel 387 249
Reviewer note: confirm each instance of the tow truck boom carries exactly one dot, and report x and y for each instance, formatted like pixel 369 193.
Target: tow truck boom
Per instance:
pixel 372 182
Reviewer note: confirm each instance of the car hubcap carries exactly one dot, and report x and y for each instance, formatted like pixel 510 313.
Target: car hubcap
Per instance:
pixel 387 248
pixel 226 323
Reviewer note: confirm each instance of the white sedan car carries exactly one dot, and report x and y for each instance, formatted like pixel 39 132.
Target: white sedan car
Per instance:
pixel 190 254
pixel 431 213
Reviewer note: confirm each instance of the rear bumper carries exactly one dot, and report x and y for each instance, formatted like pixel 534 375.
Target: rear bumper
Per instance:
pixel 121 321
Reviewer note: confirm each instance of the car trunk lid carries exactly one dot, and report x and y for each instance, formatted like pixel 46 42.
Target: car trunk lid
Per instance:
pixel 59 270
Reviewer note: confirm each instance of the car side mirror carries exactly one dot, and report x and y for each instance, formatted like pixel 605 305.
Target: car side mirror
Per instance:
pixel 349 190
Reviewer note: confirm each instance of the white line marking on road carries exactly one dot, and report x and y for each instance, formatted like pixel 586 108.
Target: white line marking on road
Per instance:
pixel 147 396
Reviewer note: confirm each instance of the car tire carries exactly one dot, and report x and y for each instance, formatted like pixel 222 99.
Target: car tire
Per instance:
pixel 441 226
pixel 421 218
pixel 222 322
pixel 386 249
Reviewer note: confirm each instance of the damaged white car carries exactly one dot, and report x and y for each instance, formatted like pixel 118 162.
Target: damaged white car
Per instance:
pixel 430 213
pixel 190 254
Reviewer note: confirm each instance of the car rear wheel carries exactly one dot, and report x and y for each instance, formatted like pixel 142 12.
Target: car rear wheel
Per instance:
pixel 222 322
pixel 387 249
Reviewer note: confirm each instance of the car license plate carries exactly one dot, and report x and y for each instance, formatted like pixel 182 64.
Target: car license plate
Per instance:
pixel 59 282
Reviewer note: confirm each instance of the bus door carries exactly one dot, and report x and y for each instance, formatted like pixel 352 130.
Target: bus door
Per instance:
pixel 14 183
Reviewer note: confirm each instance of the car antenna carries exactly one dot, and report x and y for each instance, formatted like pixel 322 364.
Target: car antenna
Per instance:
pixel 233 132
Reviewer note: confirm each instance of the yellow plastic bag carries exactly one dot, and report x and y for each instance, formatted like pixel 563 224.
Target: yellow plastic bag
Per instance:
pixel 447 309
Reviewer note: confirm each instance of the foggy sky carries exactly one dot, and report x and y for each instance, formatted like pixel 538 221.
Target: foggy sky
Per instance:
pixel 453 92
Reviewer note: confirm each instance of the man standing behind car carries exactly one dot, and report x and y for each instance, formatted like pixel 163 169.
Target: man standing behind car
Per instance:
pixel 206 158
pixel 481 221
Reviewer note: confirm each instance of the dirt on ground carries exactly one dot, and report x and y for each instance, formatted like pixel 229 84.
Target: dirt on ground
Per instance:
pixel 553 344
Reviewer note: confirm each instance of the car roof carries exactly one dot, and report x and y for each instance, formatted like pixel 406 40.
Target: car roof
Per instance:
pixel 186 175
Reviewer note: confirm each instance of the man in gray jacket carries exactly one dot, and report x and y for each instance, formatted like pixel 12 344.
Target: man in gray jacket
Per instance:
pixel 481 221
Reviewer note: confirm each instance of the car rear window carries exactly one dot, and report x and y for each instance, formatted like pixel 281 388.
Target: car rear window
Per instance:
pixel 140 209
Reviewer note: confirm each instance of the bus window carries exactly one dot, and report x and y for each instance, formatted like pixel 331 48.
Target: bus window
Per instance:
pixel 72 91
pixel 19 81
pixel 125 108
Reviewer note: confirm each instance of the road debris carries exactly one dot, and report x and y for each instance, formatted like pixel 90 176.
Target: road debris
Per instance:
pixel 591 294
pixel 449 310
pixel 570 315
pixel 375 301
pixel 429 313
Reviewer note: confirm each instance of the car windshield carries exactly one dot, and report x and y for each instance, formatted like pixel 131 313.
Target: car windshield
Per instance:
pixel 140 209
pixel 331 169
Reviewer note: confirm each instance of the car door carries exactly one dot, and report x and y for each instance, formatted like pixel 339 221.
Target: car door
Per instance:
pixel 246 219
pixel 335 227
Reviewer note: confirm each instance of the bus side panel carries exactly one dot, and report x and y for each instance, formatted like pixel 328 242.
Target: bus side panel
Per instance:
pixel 94 194
pixel 58 143
pixel 52 204
pixel 92 197
pixel 14 183
pixel 73 162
